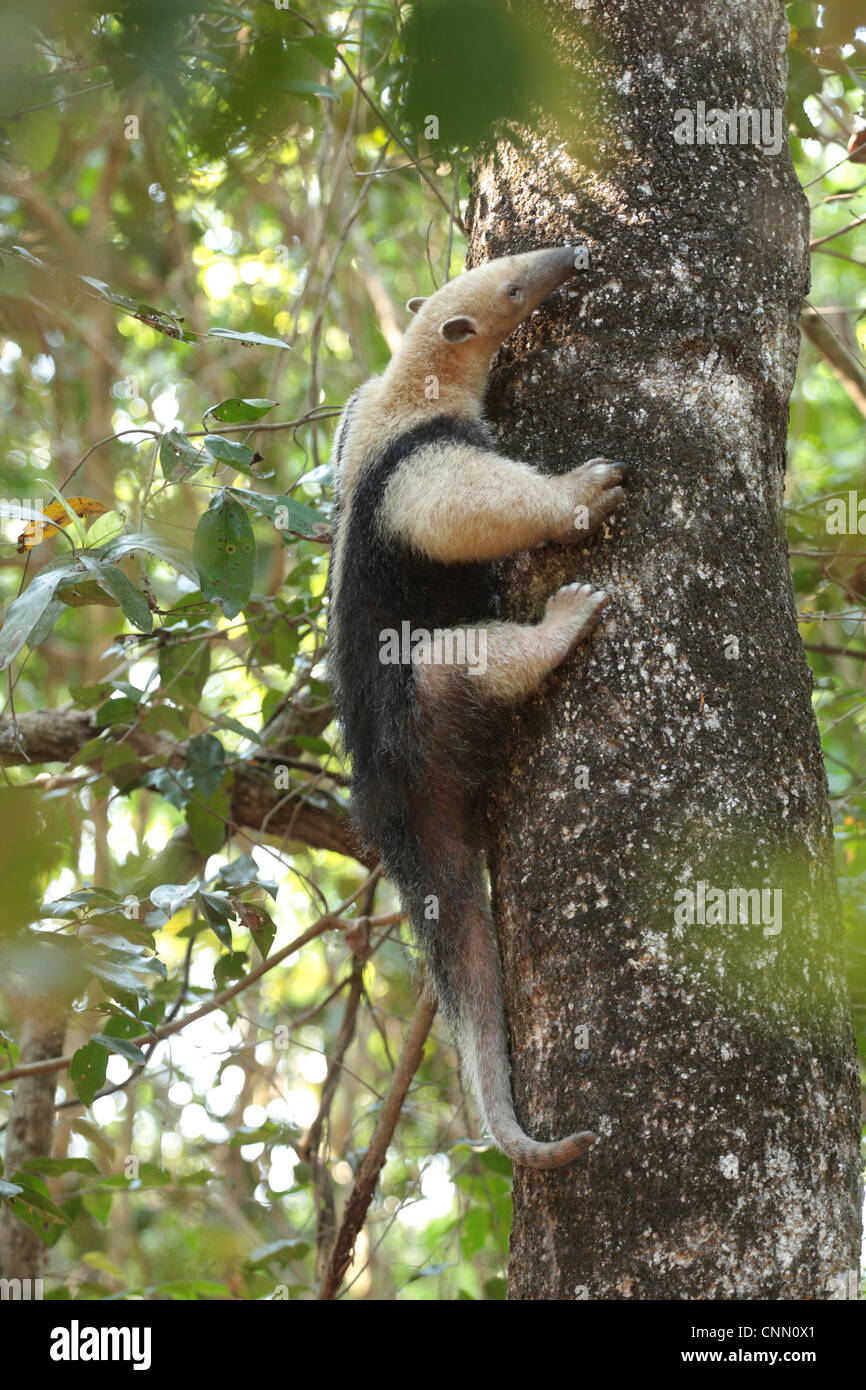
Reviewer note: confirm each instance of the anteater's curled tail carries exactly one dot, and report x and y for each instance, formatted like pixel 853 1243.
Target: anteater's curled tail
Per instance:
pixel 441 880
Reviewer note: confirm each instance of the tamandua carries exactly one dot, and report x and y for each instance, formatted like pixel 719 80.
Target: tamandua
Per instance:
pixel 425 503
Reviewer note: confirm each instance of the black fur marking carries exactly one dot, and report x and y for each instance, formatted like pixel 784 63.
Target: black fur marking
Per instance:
pixel 420 770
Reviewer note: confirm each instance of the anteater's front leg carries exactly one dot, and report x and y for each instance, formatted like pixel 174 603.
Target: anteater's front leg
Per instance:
pixel 460 503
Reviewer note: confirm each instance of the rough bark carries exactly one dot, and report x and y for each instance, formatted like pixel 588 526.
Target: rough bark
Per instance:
pixel 718 1067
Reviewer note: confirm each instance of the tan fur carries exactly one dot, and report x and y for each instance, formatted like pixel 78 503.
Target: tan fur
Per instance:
pixel 458 503
pixel 518 657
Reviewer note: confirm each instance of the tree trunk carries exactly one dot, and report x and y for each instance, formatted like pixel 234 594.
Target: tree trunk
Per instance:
pixel 714 1059
pixel 29 1134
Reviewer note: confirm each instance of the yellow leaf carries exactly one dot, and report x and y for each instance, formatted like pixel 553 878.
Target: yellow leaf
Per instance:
pixel 36 531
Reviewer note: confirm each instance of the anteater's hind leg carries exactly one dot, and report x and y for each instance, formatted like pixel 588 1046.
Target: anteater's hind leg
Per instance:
pixel 513 659
pixel 520 657
pixel 466 965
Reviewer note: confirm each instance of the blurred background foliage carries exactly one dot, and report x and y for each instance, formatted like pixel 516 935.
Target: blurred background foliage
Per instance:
pixel 210 218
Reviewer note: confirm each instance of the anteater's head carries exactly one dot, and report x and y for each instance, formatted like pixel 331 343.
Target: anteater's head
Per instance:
pixel 480 309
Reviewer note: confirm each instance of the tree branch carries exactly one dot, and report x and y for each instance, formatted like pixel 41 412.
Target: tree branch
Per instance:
pixel 843 362
pixel 368 1174
pixel 328 922
pixel 49 736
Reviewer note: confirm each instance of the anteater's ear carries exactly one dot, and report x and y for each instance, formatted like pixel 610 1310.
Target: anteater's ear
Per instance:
pixel 459 329
pixel 413 305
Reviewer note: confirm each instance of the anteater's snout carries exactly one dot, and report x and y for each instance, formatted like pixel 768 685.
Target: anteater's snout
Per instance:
pixel 551 269
pixel 564 261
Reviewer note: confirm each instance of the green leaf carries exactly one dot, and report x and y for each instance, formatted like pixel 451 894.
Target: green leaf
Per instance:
pixel 24 612
pixel 153 1175
pixel 97 1260
pixel 98 1204
pixel 218 911
pixel 171 897
pixel 495 1162
pixel 227 451
pixel 311 743
pixel 28 851
pixel 121 763
pixel 200 1177
pixel 35 138
pixel 123 1047
pixel 88 1070
pixel 236 409
pixel 179 458
pixel 127 976
pixel 122 711
pixel 281 1251
pixel 226 721
pixel 100 285
pixel 84 593
pixel 90 696
pixel 286 513
pixel 183 669
pixel 208 822
pixel 242 872
pixel 224 550
pixel 494 1288
pixel 188 1290
pixel 324 48
pixel 94 1135
pixel 31 1218
pixel 22 254
pixel 89 897
pixel 45 626
pixel 153 545
pixel 115 583
pixel 35 1194
pixel 164 719
pixel 299 87
pixel 257 338
pixel 475 1231
pixel 232 966
pixel 217 906
pixel 55 1167
pixel 260 926
pixel 205 762
pixel 92 751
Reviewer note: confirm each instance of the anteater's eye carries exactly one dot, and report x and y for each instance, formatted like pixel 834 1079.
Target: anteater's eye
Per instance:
pixel 515 292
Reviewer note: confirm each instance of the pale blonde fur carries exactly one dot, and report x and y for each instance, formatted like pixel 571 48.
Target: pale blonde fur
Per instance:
pixel 455 503
pixel 518 657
